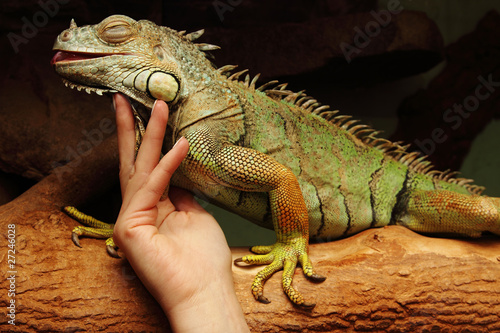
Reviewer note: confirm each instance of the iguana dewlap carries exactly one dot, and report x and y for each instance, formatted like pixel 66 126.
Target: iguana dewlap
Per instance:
pixel 273 156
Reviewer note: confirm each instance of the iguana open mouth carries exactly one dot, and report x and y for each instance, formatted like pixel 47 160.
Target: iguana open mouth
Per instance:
pixel 68 56
pixel 73 56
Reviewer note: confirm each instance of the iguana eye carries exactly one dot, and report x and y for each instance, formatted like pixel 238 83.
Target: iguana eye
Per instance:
pixel 116 32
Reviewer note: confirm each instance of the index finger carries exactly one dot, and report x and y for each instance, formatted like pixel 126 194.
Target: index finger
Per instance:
pixel 126 135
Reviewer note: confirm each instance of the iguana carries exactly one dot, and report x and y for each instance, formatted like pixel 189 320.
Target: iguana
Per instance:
pixel 273 156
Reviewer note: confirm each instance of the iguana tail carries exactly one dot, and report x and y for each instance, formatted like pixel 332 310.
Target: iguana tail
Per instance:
pixel 442 211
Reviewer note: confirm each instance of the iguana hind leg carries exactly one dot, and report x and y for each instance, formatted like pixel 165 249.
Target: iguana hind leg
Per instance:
pixel 442 211
pixel 249 170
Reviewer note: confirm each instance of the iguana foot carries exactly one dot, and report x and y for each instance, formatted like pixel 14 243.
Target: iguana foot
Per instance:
pixel 94 228
pixel 282 256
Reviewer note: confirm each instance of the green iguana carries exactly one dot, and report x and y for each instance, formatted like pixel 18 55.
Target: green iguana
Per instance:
pixel 273 156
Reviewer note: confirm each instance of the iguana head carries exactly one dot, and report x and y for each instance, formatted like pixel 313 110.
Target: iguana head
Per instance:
pixel 120 54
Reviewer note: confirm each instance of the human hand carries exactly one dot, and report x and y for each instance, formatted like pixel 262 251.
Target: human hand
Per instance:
pixel 175 247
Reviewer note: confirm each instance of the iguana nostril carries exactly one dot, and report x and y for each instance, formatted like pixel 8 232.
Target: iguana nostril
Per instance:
pixel 66 35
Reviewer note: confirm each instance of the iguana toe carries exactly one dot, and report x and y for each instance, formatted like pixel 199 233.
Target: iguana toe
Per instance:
pixel 282 257
pixel 94 228
pixel 111 248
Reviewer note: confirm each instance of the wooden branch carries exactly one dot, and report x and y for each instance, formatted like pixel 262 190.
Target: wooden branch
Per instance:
pixel 389 279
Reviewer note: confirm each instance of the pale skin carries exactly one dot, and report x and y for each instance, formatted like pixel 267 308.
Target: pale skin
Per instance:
pixel 175 247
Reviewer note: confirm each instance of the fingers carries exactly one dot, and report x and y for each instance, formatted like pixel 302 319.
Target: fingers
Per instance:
pixel 126 133
pixel 145 178
pixel 161 175
pixel 150 151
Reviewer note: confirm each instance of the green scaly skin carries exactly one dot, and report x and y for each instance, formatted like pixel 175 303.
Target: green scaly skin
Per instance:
pixel 275 157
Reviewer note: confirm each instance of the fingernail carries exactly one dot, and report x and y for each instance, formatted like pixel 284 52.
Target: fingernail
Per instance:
pixel 114 103
pixel 154 105
pixel 177 142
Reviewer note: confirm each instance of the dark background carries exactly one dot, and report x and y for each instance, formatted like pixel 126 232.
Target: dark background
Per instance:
pixel 389 85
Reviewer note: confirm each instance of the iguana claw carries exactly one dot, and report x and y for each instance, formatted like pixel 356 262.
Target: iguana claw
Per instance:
pixel 75 239
pixel 111 248
pixel 95 229
pixel 282 256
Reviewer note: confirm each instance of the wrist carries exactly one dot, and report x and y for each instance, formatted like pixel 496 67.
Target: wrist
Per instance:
pixel 214 309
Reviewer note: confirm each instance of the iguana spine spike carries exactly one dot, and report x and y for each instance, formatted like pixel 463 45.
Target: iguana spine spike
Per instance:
pixel 464 181
pixel 267 85
pixel 311 107
pixel 292 98
pixel 407 159
pixel 349 123
pixel 281 86
pixel 236 75
pixel 364 133
pixel 254 81
pixel 475 189
pixel 309 103
pixel 195 35
pixel 427 169
pixel 207 47
pixel 302 100
pixel 321 109
pixel 278 92
pixel 339 120
pixel 225 70
pixel 354 129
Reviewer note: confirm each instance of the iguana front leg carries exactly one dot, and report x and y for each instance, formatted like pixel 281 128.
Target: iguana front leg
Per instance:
pixel 249 170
